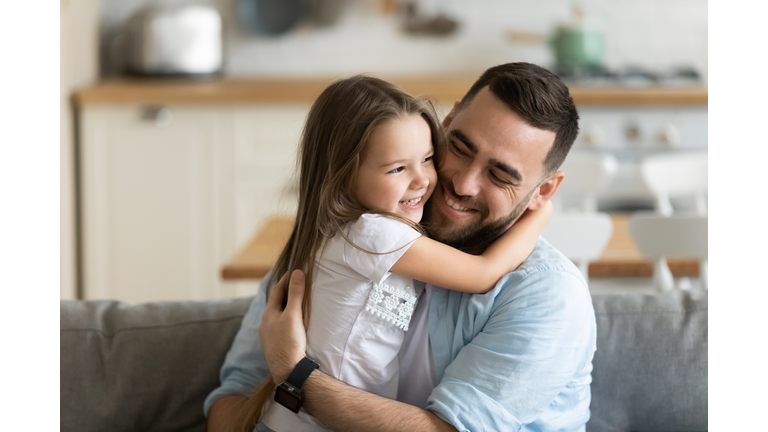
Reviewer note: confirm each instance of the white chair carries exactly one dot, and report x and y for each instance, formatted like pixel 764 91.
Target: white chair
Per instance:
pixel 587 174
pixel 676 175
pixel 581 237
pixel 659 237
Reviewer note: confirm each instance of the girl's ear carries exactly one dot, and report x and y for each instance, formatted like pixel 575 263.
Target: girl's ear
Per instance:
pixel 449 118
pixel 546 190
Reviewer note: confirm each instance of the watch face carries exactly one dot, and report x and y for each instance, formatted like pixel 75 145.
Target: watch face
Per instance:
pixel 289 397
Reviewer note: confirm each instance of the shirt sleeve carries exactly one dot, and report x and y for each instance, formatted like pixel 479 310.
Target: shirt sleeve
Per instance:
pixel 387 238
pixel 541 331
pixel 244 366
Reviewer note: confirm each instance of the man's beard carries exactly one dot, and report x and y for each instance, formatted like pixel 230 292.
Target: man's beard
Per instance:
pixel 479 234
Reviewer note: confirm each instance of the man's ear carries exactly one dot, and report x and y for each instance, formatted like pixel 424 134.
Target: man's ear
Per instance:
pixel 449 118
pixel 546 190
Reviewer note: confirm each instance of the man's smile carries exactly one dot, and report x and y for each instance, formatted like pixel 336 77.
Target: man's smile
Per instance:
pixel 451 207
pixel 455 205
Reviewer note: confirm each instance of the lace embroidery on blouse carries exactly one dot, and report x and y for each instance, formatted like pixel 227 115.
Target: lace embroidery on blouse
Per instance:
pixel 394 304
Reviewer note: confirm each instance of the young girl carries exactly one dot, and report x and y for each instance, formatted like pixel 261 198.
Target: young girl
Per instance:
pixel 366 172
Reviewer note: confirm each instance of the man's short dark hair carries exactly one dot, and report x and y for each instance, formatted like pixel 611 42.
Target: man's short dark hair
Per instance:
pixel 539 97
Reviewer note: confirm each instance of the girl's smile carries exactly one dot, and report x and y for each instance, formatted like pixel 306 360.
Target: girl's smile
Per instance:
pixel 397 174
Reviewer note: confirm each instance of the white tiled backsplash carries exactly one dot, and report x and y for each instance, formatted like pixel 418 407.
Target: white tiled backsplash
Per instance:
pixel 653 34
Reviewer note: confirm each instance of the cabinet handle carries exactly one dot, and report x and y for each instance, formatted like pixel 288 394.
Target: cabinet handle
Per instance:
pixel 159 115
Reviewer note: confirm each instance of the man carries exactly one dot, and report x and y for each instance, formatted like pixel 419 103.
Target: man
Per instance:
pixel 516 358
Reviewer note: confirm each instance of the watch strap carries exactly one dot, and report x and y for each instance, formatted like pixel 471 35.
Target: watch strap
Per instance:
pixel 301 372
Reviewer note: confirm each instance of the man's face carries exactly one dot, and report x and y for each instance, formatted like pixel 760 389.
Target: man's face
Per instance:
pixel 490 172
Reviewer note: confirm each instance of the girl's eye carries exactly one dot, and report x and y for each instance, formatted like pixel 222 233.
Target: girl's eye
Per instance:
pixel 396 170
pixel 428 159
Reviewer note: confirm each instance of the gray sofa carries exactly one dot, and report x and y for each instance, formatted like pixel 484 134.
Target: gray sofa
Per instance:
pixel 149 367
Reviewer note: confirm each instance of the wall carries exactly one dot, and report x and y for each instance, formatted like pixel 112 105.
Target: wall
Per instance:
pixel 655 34
pixel 79 60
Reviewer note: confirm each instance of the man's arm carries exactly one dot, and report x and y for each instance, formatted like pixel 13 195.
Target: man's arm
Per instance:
pixel 339 406
pixel 224 415
pixel 529 362
pixel 363 410
pixel 243 369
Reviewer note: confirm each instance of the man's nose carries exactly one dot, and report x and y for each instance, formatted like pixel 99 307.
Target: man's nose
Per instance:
pixel 466 183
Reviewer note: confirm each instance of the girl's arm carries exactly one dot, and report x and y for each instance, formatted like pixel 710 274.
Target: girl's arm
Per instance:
pixel 433 262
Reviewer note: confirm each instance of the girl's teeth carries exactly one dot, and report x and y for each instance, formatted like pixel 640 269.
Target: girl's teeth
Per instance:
pixel 412 202
pixel 454 204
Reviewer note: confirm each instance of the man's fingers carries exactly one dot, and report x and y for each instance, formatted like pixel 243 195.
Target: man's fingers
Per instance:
pixel 278 292
pixel 295 291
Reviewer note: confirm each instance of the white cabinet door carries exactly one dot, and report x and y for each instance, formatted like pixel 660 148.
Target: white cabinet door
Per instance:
pixel 157 200
pixel 266 139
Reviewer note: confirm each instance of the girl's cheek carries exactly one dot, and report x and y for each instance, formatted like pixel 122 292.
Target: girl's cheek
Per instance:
pixel 433 175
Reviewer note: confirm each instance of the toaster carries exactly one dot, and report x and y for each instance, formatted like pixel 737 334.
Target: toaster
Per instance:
pixel 175 39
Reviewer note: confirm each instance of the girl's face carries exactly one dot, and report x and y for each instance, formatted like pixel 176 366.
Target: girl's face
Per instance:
pixel 397 174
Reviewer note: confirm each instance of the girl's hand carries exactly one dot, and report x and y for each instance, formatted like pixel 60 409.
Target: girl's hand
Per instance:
pixel 539 217
pixel 519 240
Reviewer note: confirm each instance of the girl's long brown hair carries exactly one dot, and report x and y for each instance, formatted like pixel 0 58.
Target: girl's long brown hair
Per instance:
pixel 333 144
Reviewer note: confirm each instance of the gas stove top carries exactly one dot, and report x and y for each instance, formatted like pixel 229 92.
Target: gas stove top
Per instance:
pixel 630 76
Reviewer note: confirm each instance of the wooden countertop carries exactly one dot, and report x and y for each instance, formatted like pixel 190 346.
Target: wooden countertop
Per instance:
pixel 443 89
pixel 620 258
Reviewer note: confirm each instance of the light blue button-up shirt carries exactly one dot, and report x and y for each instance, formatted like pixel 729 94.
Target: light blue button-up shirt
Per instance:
pixel 516 358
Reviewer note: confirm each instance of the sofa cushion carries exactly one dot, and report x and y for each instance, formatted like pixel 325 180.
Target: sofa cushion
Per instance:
pixel 144 367
pixel 150 366
pixel 650 368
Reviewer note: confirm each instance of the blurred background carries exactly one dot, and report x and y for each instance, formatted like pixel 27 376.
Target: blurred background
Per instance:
pixel 332 37
pixel 180 120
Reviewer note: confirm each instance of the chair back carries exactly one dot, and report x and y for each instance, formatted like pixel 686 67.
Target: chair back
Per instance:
pixel 658 237
pixel 587 174
pixel 669 236
pixel 581 237
pixel 676 175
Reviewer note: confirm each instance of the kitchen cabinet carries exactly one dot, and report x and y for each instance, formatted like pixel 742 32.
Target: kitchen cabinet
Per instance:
pixel 265 139
pixel 156 202
pixel 170 191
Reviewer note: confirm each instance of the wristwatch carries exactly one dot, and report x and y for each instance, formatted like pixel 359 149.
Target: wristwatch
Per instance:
pixel 289 393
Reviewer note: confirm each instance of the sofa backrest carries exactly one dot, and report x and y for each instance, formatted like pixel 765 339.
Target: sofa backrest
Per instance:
pixel 150 366
pixel 145 367
pixel 650 369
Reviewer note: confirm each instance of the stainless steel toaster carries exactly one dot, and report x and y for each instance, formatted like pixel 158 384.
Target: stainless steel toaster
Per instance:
pixel 175 39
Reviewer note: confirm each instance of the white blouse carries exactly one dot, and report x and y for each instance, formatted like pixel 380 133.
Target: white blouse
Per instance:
pixel 360 312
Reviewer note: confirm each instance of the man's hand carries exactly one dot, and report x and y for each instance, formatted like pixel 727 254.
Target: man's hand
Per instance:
pixel 284 343
pixel 282 333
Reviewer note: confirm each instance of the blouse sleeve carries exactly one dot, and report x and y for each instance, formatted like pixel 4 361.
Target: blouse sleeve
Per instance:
pixel 383 241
